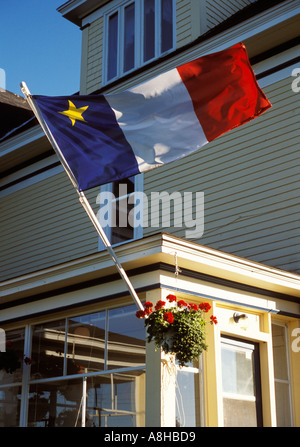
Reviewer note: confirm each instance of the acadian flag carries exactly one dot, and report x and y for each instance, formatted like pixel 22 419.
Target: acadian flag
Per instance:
pixel 110 137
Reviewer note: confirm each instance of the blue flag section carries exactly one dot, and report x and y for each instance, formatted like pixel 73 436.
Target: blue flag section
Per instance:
pixel 92 142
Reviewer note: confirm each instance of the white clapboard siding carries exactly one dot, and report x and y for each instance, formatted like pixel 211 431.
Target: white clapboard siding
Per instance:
pixel 250 179
pixel 183 22
pixel 43 225
pixel 219 10
pixel 94 56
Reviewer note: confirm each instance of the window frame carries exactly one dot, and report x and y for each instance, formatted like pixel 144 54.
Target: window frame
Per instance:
pixel 137 230
pixel 246 346
pixel 23 383
pixel 139 36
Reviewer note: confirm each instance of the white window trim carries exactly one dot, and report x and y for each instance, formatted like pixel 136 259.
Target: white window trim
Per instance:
pixel 119 7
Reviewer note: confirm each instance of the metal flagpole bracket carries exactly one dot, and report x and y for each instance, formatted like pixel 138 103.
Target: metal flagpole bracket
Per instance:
pixel 82 198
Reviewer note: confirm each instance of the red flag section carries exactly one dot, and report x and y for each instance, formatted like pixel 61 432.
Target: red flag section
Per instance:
pixel 224 91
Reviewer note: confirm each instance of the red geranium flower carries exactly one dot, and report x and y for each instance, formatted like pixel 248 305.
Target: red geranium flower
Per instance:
pixel 148 311
pixel 148 308
pixel 140 314
pixel 205 307
pixel 171 298
pixel 160 304
pixel 169 317
pixel 193 306
pixel 148 304
pixel 213 319
pixel 181 303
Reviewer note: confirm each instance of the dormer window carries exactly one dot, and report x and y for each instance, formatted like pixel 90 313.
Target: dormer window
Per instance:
pixel 135 33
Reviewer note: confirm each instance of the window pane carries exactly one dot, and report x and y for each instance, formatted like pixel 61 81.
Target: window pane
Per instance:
pixel 129 38
pixel 112 59
pixel 86 343
pixel 11 361
pixel 122 231
pixel 282 404
pixel 123 187
pixel 116 400
pixel 241 397
pixel 239 413
pixel 279 352
pixel 166 25
pixel 237 369
pixel 55 404
pixel 188 399
pixel 149 29
pixel 10 403
pixel 281 375
pixel 48 343
pixel 126 338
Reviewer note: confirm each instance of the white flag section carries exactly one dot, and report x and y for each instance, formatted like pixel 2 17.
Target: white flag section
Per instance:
pixel 158 120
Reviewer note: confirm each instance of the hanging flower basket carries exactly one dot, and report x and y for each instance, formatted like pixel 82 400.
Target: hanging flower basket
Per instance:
pixel 177 327
pixel 9 361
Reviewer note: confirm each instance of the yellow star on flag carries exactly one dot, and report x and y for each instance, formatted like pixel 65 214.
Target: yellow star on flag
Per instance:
pixel 73 113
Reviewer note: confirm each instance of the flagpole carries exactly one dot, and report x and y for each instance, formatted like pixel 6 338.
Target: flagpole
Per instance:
pixel 82 197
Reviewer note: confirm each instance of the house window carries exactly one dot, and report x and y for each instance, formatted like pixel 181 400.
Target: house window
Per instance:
pixel 137 32
pixel 129 44
pixel 281 376
pixel 241 383
pixel 86 370
pixel 112 62
pixel 121 210
pixel 11 370
pixel 190 407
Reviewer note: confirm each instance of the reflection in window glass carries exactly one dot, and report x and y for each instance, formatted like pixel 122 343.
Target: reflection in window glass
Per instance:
pixel 112 46
pixel 166 25
pixel 48 342
pixel 237 367
pixel 10 403
pixel 149 29
pixel 126 338
pixel 11 361
pixel 55 404
pixel 187 399
pixel 81 345
pixel 123 230
pixel 116 400
pixel 112 400
pixel 11 368
pixel 129 37
pixel 86 343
